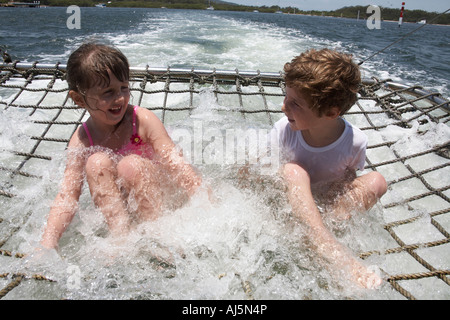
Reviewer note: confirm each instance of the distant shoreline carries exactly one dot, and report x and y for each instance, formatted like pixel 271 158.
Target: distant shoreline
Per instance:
pixel 363 19
pixel 390 14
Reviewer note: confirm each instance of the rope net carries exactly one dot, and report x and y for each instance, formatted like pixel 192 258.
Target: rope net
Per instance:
pixel 418 178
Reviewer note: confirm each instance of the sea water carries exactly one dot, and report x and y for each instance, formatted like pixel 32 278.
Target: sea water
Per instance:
pixel 208 249
pixel 245 238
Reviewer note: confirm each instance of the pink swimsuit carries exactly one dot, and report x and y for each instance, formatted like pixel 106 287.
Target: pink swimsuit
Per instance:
pixel 135 146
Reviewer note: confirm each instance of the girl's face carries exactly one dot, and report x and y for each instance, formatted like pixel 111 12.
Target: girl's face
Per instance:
pixel 107 102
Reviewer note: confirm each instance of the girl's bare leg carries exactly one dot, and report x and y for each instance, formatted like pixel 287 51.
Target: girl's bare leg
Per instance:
pixel 142 178
pixel 101 174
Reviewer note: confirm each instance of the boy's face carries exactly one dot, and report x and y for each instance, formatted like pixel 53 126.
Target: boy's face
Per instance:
pixel 297 110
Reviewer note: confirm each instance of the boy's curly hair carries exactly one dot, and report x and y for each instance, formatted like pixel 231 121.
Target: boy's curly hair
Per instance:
pixel 326 77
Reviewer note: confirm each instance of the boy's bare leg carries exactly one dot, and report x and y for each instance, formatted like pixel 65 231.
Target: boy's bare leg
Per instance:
pixel 101 176
pixel 305 209
pixel 359 194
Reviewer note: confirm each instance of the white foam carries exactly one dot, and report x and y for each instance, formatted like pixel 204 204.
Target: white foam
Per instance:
pixel 207 249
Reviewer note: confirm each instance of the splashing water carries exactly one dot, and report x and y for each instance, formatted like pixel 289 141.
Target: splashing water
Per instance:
pixel 242 244
pixel 245 243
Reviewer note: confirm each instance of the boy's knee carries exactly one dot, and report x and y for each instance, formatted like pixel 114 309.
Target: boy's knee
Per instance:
pixel 377 183
pixel 292 171
pixel 381 184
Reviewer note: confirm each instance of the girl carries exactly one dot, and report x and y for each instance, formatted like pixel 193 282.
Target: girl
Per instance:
pixel 124 151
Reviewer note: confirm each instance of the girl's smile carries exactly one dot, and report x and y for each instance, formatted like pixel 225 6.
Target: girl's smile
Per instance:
pixel 108 103
pixel 115 110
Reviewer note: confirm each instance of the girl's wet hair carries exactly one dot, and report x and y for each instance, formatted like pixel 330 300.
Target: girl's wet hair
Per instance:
pixel 89 65
pixel 326 77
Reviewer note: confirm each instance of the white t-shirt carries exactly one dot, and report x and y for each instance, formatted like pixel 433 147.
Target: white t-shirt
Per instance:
pixel 324 163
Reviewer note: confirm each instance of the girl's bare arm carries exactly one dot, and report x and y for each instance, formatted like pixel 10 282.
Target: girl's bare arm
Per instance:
pixel 65 204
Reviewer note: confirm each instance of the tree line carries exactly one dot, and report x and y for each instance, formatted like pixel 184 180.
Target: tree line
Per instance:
pixel 345 12
pixel 392 14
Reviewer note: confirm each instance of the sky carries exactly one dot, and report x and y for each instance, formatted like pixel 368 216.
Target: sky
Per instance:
pixel 326 5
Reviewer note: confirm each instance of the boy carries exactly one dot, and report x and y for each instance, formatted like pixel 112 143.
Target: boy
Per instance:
pixel 323 149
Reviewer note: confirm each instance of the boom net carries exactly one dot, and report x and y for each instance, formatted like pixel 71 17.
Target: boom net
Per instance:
pixel 418 177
